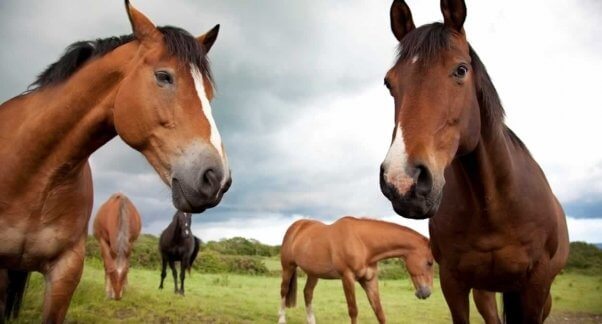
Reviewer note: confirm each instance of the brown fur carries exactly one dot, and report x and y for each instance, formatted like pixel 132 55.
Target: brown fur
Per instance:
pixel 495 224
pixel 116 227
pixel 48 134
pixel 350 249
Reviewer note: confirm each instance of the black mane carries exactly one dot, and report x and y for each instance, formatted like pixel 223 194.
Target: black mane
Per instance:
pixel 179 43
pixel 428 41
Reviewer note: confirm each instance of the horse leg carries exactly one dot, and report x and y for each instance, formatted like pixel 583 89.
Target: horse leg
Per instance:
pixel 163 270
pixel 3 293
pixel 288 290
pixel 486 305
pixel 371 289
pixel 109 265
pixel 547 307
pixel 534 300
pixel 183 266
pixel 349 288
pixel 308 293
pixel 61 279
pixel 174 272
pixel 456 296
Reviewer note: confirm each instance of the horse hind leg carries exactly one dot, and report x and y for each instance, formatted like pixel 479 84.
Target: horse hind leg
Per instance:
pixel 288 291
pixel 486 305
pixel 61 281
pixel 308 293
pixel 163 270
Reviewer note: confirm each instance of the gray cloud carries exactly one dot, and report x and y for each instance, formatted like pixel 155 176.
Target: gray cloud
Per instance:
pixel 299 103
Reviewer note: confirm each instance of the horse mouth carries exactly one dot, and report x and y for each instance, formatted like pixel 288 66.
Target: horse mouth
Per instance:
pixel 411 205
pixel 181 200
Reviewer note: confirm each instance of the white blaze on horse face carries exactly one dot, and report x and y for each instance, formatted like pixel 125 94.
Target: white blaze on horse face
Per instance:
pixel 199 85
pixel 415 59
pixel 395 163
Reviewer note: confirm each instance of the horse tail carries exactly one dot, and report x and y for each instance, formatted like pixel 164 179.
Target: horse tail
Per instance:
pixel 17 284
pixel 291 296
pixel 513 312
pixel 123 230
pixel 195 252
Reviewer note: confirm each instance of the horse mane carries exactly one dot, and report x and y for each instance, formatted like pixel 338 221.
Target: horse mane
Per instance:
pixel 179 43
pixel 380 221
pixel 428 41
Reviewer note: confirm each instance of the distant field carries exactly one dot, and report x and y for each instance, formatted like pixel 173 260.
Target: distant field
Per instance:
pixel 228 298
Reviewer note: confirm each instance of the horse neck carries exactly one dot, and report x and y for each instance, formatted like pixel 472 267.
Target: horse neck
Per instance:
pixel 391 241
pixel 73 118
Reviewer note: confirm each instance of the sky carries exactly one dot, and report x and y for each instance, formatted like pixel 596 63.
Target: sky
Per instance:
pixel 303 112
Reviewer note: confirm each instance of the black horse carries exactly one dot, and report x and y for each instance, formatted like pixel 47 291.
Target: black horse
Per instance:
pixel 178 244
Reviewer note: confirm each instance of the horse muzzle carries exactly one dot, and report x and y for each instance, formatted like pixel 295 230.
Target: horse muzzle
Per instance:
pixel 413 196
pixel 423 293
pixel 199 183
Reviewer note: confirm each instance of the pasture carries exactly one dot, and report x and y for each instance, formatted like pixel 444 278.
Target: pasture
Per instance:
pixel 235 298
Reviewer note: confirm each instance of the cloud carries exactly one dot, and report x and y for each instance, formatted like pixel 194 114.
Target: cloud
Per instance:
pixel 301 107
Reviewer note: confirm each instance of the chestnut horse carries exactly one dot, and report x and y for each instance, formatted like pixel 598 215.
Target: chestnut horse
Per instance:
pixel 349 249
pixel 116 227
pixel 152 89
pixel 495 224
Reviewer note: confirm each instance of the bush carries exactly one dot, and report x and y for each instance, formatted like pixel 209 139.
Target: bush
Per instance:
pixel 584 258
pixel 242 246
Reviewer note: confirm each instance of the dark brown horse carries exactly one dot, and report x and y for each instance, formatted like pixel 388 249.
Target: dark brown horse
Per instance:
pixel 116 227
pixel 152 89
pixel 495 224
pixel 349 249
pixel 178 244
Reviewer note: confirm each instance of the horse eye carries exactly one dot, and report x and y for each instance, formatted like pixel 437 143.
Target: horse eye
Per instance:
pixel 461 71
pixel 430 263
pixel 163 78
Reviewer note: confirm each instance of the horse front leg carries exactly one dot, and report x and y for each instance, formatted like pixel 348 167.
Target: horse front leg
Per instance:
pixel 486 305
pixel 183 266
pixel 163 270
pixel 535 298
pixel 174 273
pixel 62 277
pixel 349 288
pixel 371 288
pixel 456 296
pixel 3 293
pixel 109 265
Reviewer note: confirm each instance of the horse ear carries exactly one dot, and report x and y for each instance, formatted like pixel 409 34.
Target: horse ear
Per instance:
pixel 401 19
pixel 143 28
pixel 208 38
pixel 454 14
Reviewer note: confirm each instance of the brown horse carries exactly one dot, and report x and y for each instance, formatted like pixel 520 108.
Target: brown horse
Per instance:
pixel 116 227
pixel 350 249
pixel 495 224
pixel 152 88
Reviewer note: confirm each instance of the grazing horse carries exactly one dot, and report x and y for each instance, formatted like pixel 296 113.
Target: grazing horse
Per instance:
pixel 350 249
pixel 177 243
pixel 152 89
pixel 495 224
pixel 116 227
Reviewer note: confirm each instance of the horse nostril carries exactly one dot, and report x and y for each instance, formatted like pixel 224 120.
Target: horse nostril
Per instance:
pixel 209 177
pixel 424 181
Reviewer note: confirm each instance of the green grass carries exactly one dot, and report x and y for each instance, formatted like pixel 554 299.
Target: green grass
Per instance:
pixel 228 298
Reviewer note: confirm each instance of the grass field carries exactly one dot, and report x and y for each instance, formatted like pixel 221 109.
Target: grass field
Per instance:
pixel 228 298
